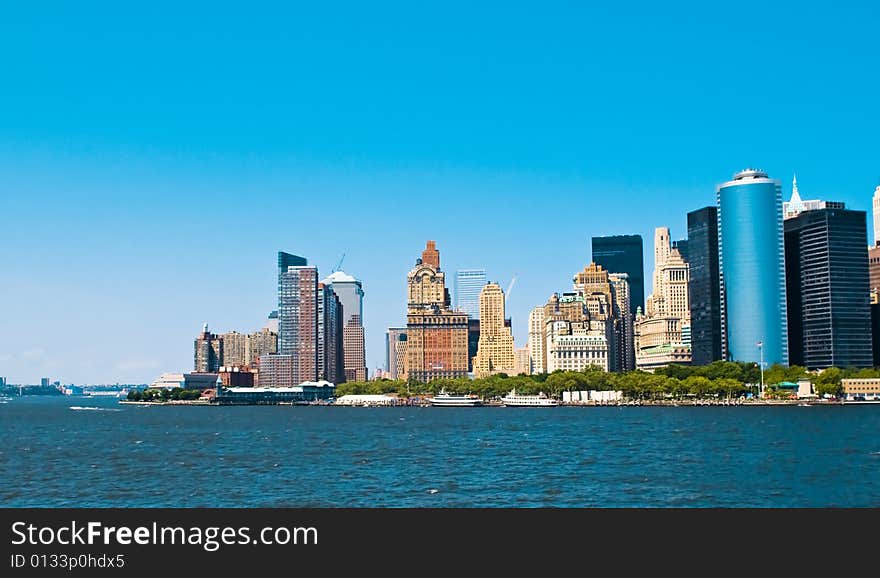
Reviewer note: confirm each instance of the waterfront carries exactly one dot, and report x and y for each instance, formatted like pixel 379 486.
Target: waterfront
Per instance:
pixel 121 455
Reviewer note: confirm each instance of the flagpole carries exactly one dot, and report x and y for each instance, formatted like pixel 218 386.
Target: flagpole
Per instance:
pixel 761 349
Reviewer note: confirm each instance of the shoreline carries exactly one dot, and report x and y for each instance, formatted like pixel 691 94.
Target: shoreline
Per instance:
pixel 631 403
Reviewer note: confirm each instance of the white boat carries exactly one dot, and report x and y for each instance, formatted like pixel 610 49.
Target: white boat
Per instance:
pixel 444 399
pixel 514 399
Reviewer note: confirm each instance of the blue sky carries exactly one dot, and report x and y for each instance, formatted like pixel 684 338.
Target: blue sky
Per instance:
pixel 153 160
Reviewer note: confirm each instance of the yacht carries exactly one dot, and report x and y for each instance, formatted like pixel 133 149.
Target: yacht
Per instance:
pixel 444 399
pixel 514 399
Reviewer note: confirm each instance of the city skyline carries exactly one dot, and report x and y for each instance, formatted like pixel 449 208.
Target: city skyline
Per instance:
pixel 139 209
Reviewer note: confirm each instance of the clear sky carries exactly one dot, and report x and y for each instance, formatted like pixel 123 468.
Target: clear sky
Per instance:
pixel 154 159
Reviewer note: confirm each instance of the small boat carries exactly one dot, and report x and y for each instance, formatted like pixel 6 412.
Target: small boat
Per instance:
pixel 514 399
pixel 444 399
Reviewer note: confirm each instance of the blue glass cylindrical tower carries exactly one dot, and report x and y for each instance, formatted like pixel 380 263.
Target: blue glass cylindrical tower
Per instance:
pixel 752 263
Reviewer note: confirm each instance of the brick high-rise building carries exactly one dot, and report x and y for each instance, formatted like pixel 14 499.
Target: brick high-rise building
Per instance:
pixel 298 320
pixel 437 337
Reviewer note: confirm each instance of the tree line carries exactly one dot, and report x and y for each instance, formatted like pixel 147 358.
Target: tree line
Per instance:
pixel 177 394
pixel 718 379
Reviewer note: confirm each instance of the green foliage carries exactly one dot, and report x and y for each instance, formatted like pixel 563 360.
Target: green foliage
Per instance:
pixel 157 395
pixel 718 379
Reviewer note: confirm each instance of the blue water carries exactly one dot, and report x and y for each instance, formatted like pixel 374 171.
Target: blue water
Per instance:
pixel 136 456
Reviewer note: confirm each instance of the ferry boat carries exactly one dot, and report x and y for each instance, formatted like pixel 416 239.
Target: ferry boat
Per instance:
pixel 514 399
pixel 444 399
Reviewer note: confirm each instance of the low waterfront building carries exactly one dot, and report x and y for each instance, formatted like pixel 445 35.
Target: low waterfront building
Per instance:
pixel 591 397
pixel 236 377
pixel 861 388
pixel 200 380
pixel 303 393
pixel 169 381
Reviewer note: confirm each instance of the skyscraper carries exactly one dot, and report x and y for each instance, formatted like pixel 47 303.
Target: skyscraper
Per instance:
pixel 353 347
pixel 495 352
pixel 208 352
pixel 298 320
pixel 537 358
pixel 437 337
pixel 829 315
pixel 751 260
pixel 623 254
pixel 392 336
pixel 704 291
pixel 330 339
pixel 468 284
pixel 624 346
pixel 659 333
pixel 351 295
pixel 796 205
pixel 876 214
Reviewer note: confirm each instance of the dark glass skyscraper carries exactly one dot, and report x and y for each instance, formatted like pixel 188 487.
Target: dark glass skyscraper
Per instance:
pixel 623 254
pixel 829 314
pixel 704 286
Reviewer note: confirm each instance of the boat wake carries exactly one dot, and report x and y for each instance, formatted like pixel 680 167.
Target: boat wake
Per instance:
pixel 89 408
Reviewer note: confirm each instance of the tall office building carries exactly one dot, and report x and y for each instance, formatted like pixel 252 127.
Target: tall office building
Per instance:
pixel 208 352
pixel 874 270
pixel 625 346
pixel 704 292
pixel 796 206
pixel 829 314
pixel 751 261
pixel 623 254
pixel 392 336
pixel 594 285
pixel 351 295
pixel 468 284
pixel 353 339
pixel 330 339
pixel 537 359
pixel 437 337
pixel 662 247
pixel 659 334
pixel 495 352
pixel 521 363
pixel 298 320
pixel 574 342
pixel 876 215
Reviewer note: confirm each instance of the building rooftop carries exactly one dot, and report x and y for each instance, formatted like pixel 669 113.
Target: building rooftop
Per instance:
pixel 339 277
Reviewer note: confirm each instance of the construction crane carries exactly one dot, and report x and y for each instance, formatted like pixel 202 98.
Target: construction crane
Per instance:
pixel 510 288
pixel 339 264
